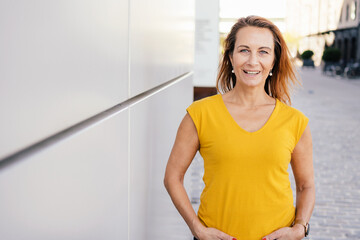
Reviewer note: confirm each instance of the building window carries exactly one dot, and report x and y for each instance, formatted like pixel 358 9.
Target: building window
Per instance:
pixel 341 16
pixel 353 10
pixel 339 45
pixel 353 49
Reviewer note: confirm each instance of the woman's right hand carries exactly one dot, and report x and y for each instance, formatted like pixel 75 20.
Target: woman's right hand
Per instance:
pixel 214 234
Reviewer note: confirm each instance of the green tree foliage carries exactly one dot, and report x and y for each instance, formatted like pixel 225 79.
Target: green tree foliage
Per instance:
pixel 331 55
pixel 307 54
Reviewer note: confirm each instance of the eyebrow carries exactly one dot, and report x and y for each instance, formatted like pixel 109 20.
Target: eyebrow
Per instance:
pixel 245 46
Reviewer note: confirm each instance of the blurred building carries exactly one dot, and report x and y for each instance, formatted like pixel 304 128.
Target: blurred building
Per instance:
pixel 316 24
pixel 347 33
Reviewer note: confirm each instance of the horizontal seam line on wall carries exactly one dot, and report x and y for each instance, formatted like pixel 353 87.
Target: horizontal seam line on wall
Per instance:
pixel 87 123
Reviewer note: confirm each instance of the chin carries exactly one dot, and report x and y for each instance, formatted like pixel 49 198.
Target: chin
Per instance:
pixel 252 82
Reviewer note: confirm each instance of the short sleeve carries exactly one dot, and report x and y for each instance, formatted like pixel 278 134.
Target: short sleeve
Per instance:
pixel 194 111
pixel 302 122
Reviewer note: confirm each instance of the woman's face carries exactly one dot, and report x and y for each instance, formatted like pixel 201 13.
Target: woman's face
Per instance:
pixel 253 56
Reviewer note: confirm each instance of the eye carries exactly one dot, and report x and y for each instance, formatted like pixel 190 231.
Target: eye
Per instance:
pixel 244 50
pixel 264 52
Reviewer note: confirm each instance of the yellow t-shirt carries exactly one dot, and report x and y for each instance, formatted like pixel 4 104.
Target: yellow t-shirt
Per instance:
pixel 247 190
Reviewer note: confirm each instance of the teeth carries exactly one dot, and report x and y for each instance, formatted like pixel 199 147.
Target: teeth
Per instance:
pixel 249 72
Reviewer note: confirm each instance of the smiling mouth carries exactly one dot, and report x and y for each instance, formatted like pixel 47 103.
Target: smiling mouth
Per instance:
pixel 251 72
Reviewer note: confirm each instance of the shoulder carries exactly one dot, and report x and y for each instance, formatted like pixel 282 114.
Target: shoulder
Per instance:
pixel 204 102
pixel 294 119
pixel 200 110
pixel 290 111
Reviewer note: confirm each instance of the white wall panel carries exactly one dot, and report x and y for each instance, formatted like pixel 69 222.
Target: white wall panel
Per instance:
pixel 161 42
pixel 77 189
pixel 207 38
pixel 153 127
pixel 60 62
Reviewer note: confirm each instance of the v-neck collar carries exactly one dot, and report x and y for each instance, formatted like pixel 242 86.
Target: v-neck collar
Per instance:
pixel 222 103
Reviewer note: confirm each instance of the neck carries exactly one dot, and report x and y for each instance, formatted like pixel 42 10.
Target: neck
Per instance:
pixel 250 97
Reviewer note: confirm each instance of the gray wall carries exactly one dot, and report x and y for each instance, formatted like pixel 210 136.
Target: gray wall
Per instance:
pixel 91 95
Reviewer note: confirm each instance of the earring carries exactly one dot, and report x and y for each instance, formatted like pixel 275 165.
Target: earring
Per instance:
pixel 233 71
pixel 270 74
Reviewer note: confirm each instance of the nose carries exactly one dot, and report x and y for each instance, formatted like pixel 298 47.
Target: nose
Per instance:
pixel 253 59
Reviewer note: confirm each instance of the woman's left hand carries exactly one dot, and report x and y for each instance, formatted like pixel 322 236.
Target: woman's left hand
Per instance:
pixel 287 233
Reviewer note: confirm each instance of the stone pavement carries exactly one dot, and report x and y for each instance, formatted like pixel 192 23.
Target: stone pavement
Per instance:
pixel 333 107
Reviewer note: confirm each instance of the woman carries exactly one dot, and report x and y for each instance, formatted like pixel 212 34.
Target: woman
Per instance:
pixel 247 137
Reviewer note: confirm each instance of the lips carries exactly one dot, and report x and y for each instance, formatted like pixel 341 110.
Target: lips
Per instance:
pixel 252 72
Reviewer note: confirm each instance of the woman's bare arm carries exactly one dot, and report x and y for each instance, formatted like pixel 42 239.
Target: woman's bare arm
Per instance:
pixel 302 167
pixel 185 147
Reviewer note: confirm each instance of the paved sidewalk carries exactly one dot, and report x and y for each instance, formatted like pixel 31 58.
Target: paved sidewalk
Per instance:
pixel 333 107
